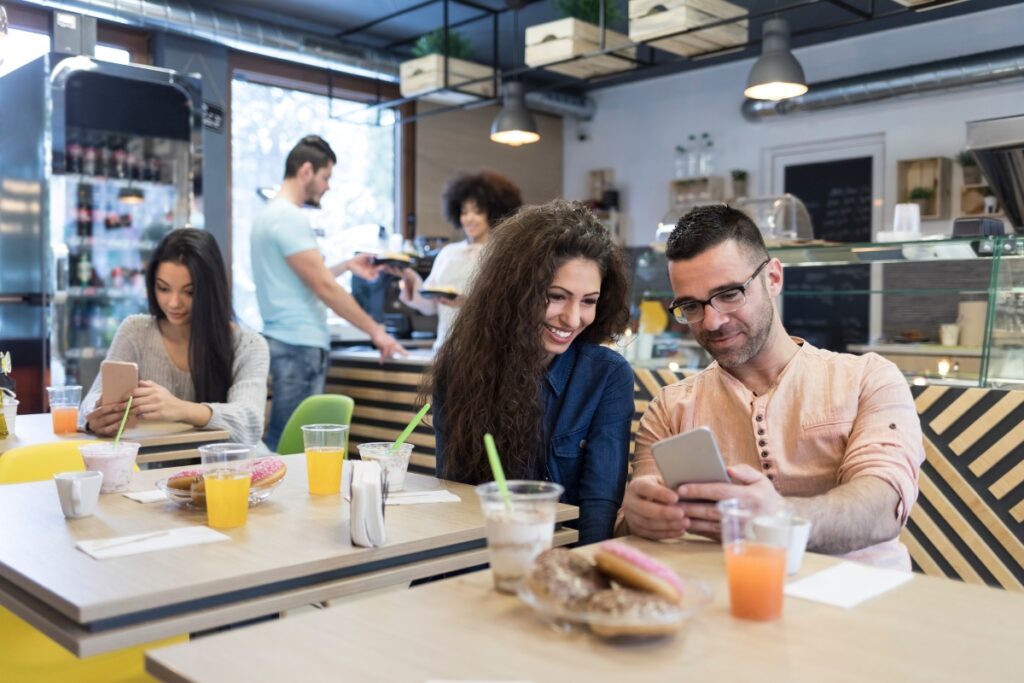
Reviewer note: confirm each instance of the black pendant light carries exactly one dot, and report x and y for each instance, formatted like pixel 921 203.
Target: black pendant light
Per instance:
pixel 514 124
pixel 776 75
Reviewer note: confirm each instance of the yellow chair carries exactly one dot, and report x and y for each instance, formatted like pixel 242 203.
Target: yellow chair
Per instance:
pixel 25 653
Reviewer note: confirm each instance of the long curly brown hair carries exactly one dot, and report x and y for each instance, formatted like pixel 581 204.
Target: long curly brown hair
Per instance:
pixel 488 372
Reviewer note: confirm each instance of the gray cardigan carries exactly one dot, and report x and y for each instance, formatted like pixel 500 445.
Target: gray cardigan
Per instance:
pixel 138 340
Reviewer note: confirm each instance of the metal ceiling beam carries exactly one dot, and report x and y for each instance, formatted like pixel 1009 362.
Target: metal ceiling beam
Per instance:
pixel 842 4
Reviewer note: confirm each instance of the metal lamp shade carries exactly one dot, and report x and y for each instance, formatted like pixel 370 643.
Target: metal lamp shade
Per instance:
pixel 514 125
pixel 776 75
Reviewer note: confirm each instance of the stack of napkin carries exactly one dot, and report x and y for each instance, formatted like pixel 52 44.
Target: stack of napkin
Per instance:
pixel 367 507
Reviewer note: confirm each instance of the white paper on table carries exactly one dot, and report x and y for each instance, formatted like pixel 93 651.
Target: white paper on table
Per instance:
pixel 151 496
pixel 847 584
pixel 119 546
pixel 417 497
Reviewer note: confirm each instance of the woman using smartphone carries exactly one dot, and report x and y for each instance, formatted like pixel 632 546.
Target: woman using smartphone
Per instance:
pixel 524 362
pixel 195 364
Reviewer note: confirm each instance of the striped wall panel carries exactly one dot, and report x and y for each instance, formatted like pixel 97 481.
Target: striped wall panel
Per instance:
pixel 968 522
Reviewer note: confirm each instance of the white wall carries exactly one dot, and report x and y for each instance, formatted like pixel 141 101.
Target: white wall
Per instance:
pixel 638 125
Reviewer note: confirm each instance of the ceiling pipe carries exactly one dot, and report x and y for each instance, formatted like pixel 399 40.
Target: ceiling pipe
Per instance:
pixel 958 72
pixel 243 34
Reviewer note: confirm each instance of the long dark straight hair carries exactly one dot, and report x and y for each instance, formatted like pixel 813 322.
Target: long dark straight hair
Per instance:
pixel 210 348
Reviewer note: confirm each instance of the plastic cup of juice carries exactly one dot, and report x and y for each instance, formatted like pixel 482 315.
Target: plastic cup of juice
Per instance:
pixel 227 473
pixel 325 454
pixel 64 408
pixel 395 462
pixel 755 540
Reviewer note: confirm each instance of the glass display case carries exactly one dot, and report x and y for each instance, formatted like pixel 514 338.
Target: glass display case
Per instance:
pixel 945 311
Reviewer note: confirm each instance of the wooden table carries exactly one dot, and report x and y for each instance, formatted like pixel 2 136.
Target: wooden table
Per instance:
pixel 159 442
pixel 926 630
pixel 293 551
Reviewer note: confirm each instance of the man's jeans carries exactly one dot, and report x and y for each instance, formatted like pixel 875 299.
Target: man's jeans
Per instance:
pixel 296 372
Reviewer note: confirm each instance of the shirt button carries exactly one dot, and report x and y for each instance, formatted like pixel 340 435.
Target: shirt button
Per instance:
pixel 771 477
pixel 765 465
pixel 760 432
pixel 764 454
pixel 892 425
pixel 762 442
pixel 759 418
pixel 583 444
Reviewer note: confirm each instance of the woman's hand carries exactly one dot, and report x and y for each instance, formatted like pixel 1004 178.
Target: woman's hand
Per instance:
pixel 150 401
pixel 104 420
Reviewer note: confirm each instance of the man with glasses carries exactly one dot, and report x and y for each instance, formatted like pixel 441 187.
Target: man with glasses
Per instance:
pixel 294 287
pixel 836 436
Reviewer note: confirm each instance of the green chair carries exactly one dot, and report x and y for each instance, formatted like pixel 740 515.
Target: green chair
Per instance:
pixel 319 409
pixel 26 655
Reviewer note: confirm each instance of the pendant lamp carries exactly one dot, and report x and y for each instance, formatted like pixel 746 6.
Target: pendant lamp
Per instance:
pixel 514 124
pixel 776 75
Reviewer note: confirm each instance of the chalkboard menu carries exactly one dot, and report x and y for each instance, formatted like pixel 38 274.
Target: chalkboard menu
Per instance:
pixel 838 198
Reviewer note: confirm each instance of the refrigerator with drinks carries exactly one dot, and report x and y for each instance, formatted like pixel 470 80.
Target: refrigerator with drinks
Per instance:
pixel 97 162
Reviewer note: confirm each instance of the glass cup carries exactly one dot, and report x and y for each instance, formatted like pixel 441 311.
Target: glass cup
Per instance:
pixel 755 540
pixel 519 531
pixel 396 463
pixel 10 410
pixel 325 454
pixel 115 462
pixel 227 473
pixel 64 408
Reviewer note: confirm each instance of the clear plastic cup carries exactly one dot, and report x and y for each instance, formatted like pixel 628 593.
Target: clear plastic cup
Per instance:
pixel 519 531
pixel 64 408
pixel 10 411
pixel 115 462
pixel 227 476
pixel 755 540
pixel 396 462
pixel 325 454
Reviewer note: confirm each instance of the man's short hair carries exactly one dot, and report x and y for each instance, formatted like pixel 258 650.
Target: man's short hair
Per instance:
pixel 313 149
pixel 705 227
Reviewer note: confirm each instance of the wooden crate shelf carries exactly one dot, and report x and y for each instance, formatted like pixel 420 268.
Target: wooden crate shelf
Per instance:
pixel 933 173
pixel 652 19
pixel 424 74
pixel 556 41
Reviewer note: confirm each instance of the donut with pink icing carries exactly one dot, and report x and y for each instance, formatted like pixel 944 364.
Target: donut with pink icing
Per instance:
pixel 631 567
pixel 266 471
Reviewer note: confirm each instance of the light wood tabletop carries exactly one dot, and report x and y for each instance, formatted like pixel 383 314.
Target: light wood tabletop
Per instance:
pixel 159 442
pixel 294 550
pixel 928 629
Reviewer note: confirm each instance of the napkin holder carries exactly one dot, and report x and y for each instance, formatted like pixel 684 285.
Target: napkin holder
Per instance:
pixel 366 518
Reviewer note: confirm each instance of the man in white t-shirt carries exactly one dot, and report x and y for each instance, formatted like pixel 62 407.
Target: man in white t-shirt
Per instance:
pixel 294 287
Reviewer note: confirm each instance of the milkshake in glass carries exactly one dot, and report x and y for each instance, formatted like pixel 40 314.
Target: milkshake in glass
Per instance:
pixel 115 462
pixel 519 531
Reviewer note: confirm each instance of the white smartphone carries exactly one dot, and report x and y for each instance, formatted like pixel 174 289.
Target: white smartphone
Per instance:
pixel 690 458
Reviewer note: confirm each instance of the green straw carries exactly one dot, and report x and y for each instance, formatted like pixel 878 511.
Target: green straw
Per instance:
pixel 408 428
pixel 499 473
pixel 124 418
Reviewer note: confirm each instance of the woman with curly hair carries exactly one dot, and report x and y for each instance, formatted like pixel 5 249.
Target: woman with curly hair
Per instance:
pixel 523 361
pixel 474 202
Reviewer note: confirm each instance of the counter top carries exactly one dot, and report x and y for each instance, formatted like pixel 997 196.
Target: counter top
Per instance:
pixel 417 357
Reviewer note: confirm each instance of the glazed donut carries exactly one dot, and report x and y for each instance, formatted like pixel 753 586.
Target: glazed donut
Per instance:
pixel 565 578
pixel 630 567
pixel 635 606
pixel 265 471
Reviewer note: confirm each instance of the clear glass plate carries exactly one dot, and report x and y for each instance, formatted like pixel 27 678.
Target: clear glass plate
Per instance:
pixel 696 595
pixel 184 498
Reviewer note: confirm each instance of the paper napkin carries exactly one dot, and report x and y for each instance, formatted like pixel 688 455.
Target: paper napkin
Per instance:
pixel 417 497
pixel 119 546
pixel 847 584
pixel 367 507
pixel 151 496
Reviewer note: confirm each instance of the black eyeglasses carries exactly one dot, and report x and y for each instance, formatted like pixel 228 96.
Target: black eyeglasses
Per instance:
pixel 728 300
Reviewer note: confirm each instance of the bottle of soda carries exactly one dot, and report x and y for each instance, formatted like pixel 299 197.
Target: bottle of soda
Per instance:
pixel 89 157
pixel 83 211
pixel 73 157
pixel 119 160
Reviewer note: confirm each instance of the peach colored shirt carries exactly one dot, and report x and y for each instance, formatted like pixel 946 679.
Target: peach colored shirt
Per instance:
pixel 828 419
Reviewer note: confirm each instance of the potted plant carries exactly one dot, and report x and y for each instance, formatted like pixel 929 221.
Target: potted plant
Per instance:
pixel 969 164
pixel 579 34
pixel 739 182
pixel 426 72
pixel 922 196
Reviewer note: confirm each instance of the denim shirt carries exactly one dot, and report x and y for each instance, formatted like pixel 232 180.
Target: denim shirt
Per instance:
pixel 588 411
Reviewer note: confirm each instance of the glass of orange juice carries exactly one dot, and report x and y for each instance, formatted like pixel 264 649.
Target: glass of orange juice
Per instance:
pixel 325 454
pixel 227 473
pixel 755 539
pixel 64 408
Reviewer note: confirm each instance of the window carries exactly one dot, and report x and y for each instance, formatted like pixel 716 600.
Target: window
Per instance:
pixel 266 122
pixel 21 47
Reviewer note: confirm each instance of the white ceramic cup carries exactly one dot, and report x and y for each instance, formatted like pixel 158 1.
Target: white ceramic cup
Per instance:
pixel 78 492
pixel 949 334
pixel 798 535
pixel 791 532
